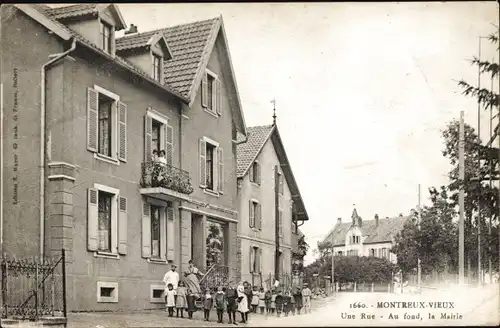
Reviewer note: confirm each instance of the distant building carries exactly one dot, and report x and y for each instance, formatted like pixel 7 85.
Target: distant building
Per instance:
pixel 366 238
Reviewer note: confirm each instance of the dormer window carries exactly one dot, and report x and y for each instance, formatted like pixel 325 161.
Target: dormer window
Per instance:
pixel 157 60
pixel 106 36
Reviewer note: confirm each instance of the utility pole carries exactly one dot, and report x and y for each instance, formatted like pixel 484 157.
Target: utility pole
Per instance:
pixel 490 262
pixel 333 263
pixel 419 268
pixel 479 181
pixel 461 200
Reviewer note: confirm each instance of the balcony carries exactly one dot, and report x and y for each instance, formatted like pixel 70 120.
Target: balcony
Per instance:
pixel 165 182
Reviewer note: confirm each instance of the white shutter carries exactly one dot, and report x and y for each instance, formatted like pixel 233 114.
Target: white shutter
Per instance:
pixel 92 117
pixel 169 144
pixel 92 219
pixel 146 229
pixel 204 90
pixel 122 226
pixel 220 159
pixel 170 232
pixel 218 103
pixel 148 138
pixel 203 163
pixel 259 256
pixel 122 132
pixel 257 178
pixel 251 216
pixel 258 217
pixel 251 176
pixel 163 234
pixel 252 259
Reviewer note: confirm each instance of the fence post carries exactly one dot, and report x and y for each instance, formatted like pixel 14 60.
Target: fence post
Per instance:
pixel 36 287
pixel 389 288
pixel 354 286
pixel 5 274
pixel 373 285
pixel 63 260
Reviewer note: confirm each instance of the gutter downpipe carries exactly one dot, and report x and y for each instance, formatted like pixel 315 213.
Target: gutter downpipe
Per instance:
pixel 42 139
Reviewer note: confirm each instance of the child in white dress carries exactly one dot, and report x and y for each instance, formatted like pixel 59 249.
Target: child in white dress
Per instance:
pixel 170 299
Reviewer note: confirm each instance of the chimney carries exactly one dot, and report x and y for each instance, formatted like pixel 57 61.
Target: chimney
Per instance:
pixel 339 220
pixel 133 29
pixel 376 220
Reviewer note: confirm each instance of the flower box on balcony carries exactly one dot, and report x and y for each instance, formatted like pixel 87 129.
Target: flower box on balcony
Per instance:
pixel 156 175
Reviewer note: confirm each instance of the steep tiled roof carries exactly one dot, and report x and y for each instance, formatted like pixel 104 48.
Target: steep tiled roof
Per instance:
pixel 248 151
pixel 73 11
pixel 189 44
pixel 386 229
pixel 45 10
pixel 133 41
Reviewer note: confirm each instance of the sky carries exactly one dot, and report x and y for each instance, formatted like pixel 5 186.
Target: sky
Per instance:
pixel 362 91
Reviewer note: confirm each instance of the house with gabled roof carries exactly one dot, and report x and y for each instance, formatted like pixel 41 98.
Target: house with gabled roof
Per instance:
pixel 366 238
pixel 271 206
pixel 78 169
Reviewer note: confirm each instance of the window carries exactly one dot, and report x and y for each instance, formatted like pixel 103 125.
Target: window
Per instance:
pixel 156 136
pixel 210 166
pixel 157 60
pixel 159 135
pixel 107 292
pixel 215 243
pixel 156 294
pixel 372 251
pixel 104 214
pixel 255 219
pixel 255 173
pixel 107 221
pixel 106 36
pixel 255 259
pixel 105 125
pixel 339 253
pixel 211 94
pixel 384 253
pixel 155 232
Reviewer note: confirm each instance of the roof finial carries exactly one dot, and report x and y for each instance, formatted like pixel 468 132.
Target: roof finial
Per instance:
pixel 274 110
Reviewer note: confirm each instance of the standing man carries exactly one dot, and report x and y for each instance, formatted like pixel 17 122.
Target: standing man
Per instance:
pixel 306 298
pixel 171 277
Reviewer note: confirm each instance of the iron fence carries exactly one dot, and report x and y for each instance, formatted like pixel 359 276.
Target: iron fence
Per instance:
pixel 165 176
pixel 33 288
pixel 286 281
pixel 217 275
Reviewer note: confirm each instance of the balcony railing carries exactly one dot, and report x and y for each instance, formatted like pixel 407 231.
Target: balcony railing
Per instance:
pixel 156 175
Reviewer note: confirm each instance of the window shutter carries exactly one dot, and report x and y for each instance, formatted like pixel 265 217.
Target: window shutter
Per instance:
pixel 92 219
pixel 92 108
pixel 251 173
pixel 251 216
pixel 218 97
pixel 258 216
pixel 148 138
pixel 146 230
pixel 204 91
pixel 122 226
pixel 163 234
pixel 257 179
pixel 169 144
pixel 170 232
pixel 281 184
pixel 203 163
pixel 281 223
pixel 252 258
pixel 260 260
pixel 220 158
pixel 122 132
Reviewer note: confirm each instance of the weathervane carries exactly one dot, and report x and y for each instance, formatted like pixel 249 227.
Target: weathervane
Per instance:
pixel 274 110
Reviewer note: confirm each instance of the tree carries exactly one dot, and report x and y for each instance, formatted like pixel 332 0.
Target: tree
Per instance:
pixel 487 99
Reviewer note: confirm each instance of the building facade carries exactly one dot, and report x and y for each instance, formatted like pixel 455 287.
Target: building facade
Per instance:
pixel 78 141
pixel 366 238
pixel 264 176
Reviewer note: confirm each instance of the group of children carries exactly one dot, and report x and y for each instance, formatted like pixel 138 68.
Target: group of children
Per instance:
pixel 226 300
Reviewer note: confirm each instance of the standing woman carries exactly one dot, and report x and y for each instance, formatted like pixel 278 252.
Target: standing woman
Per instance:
pixel 242 303
pixel 191 279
